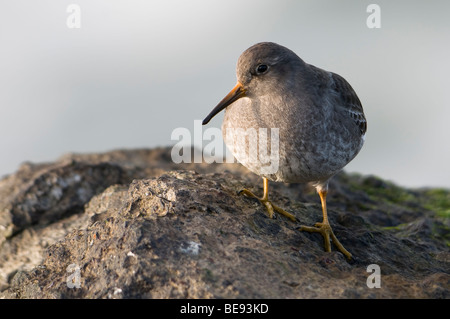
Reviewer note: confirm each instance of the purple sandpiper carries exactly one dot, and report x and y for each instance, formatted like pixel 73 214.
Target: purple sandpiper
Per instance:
pixel 318 116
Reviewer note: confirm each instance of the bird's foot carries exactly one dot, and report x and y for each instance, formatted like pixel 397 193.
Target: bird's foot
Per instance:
pixel 271 208
pixel 327 233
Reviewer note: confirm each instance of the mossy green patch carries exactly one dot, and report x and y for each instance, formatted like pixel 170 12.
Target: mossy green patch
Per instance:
pixel 390 193
pixel 438 201
pixel 382 192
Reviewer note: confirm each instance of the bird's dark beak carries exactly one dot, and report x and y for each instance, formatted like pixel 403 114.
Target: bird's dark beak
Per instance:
pixel 235 94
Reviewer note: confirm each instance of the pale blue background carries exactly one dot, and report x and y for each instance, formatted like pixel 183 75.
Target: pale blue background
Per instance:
pixel 138 69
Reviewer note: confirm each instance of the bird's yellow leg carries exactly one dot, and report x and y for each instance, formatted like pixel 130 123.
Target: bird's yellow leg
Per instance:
pixel 268 204
pixel 325 229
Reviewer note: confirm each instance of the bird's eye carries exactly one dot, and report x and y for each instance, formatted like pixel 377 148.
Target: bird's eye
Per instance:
pixel 261 69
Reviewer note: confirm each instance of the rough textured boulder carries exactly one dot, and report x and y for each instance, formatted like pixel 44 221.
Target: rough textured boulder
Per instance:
pixel 132 224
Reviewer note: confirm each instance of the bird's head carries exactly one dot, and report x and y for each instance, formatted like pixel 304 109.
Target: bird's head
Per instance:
pixel 260 70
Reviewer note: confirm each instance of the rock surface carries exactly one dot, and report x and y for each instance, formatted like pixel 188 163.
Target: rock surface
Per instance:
pixel 132 224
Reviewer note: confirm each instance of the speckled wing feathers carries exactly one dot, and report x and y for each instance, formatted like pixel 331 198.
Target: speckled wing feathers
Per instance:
pixel 350 101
